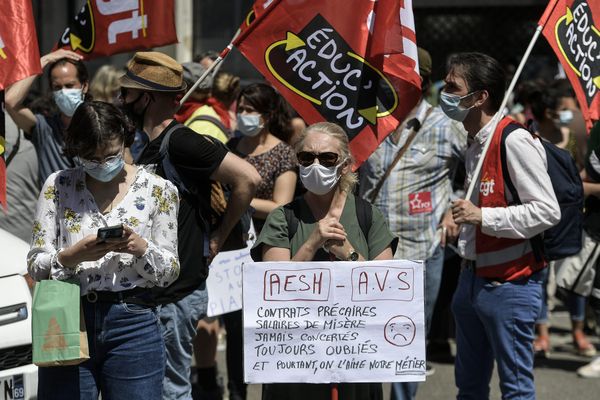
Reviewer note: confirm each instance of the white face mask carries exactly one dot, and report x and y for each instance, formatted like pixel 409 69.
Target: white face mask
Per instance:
pixel 565 117
pixel 249 124
pixel 318 179
pixel 68 100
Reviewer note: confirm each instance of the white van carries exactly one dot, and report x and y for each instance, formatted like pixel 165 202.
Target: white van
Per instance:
pixel 18 376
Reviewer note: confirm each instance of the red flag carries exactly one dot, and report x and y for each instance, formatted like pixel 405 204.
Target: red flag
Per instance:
pixel 104 27
pixel 2 153
pixel 572 27
pixel 19 52
pixel 357 69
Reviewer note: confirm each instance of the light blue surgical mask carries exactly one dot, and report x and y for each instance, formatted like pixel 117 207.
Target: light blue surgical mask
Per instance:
pixel 249 124
pixel 105 171
pixel 450 105
pixel 68 100
pixel 565 117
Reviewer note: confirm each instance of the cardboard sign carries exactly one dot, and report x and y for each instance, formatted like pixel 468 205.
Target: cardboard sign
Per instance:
pixel 224 283
pixel 321 322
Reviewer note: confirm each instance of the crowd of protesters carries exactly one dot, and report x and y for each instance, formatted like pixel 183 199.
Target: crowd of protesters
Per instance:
pixel 230 151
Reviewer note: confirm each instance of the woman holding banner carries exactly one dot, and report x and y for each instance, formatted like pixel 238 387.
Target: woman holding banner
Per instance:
pixel 327 226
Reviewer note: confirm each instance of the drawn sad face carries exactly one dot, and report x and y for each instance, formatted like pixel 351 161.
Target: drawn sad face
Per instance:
pixel 400 331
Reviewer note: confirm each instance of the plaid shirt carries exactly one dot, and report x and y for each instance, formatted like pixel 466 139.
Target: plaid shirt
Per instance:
pixel 418 191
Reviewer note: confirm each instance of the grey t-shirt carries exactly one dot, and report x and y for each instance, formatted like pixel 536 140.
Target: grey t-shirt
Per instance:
pixel 22 185
pixel 47 137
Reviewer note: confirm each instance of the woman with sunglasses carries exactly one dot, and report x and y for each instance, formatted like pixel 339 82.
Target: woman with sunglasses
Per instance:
pixel 126 348
pixel 328 229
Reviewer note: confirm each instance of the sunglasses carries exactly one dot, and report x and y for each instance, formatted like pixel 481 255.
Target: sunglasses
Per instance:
pixel 326 159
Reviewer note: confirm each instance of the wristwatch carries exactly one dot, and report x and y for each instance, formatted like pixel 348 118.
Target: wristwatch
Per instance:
pixel 352 255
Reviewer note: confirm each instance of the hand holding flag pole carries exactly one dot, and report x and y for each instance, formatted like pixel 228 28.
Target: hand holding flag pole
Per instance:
pixel 496 119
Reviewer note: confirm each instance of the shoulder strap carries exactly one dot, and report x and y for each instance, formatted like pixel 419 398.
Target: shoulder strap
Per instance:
pixel 211 119
pixel 537 242
pixel 364 214
pixel 168 168
pixel 414 130
pixel 291 210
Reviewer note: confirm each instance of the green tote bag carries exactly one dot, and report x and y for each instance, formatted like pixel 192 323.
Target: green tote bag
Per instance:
pixel 58 326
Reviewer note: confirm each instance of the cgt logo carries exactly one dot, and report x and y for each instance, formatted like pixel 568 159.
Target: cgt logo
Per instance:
pixel 82 35
pixel 318 65
pixel 579 43
pixel 486 186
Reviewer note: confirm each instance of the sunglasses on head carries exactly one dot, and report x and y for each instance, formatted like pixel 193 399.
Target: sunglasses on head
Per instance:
pixel 326 159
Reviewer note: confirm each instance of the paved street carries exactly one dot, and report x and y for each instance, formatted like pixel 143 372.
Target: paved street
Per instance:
pixel 555 377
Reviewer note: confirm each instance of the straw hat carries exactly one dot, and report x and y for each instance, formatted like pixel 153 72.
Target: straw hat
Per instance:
pixel 153 71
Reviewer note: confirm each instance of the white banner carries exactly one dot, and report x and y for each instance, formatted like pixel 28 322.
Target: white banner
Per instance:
pixel 224 283
pixel 321 322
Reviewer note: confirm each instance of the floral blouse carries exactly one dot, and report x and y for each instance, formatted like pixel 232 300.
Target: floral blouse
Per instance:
pixel 66 213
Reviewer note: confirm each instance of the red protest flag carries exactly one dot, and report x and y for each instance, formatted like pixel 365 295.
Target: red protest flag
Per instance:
pixel 105 27
pixel 19 52
pixel 357 68
pixel 2 155
pixel 572 27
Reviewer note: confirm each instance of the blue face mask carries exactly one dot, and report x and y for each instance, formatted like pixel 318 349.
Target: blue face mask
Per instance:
pixel 68 100
pixel 249 124
pixel 105 171
pixel 450 105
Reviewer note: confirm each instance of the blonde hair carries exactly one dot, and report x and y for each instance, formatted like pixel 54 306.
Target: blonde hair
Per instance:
pixel 105 84
pixel 349 180
pixel 226 87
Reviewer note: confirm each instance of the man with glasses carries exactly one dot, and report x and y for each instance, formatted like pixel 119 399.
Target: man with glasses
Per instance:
pixel 499 292
pixel 416 194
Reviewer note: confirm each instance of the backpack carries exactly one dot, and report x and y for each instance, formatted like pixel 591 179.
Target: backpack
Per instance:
pixel 565 238
pixel 238 237
pixel 364 214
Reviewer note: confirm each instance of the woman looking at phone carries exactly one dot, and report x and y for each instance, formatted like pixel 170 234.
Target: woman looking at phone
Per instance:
pixel 115 274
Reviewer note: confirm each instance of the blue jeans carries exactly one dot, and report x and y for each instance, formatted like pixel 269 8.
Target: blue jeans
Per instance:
pixel 179 321
pixel 127 357
pixel 433 280
pixel 575 303
pixel 495 321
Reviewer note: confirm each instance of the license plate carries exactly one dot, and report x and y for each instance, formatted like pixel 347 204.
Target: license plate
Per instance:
pixel 12 388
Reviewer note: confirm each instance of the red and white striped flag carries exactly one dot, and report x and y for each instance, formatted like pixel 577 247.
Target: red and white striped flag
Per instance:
pixel 352 63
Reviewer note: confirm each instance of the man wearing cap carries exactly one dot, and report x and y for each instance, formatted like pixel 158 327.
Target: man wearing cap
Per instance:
pixel 202 112
pixel 416 195
pixel 151 89
pixel 68 80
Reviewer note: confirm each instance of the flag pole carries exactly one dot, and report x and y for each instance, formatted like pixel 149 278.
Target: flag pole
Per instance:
pixel 208 71
pixel 237 38
pixel 498 116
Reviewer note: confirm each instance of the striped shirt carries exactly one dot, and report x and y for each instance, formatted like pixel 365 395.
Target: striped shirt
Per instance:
pixel 418 191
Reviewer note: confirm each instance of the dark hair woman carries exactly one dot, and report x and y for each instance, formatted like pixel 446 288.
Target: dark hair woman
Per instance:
pixel 125 342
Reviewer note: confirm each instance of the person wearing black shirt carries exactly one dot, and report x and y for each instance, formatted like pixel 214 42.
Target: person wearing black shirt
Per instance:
pixel 151 89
